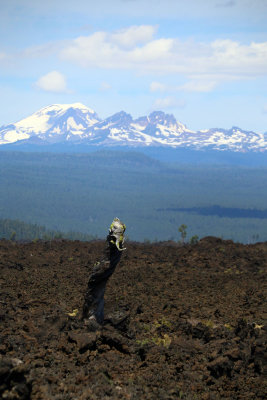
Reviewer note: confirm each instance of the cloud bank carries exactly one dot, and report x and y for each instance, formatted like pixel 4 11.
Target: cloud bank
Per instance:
pixel 136 48
pixel 140 49
pixel 168 102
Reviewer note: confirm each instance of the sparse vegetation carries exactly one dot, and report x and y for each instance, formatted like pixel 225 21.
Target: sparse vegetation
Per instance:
pixel 182 230
pixel 19 230
pixel 194 239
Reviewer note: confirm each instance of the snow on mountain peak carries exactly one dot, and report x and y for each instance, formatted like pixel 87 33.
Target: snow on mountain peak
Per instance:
pixel 77 123
pixel 52 120
pixel 39 121
pixel 65 107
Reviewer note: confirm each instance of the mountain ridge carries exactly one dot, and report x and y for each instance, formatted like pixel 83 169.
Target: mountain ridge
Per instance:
pixel 79 124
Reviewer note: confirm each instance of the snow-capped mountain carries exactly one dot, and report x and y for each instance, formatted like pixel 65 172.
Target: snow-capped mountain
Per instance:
pixel 55 123
pixel 77 123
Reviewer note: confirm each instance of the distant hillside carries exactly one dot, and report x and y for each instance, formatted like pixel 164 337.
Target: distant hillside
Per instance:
pixel 84 192
pixel 179 155
pixel 19 230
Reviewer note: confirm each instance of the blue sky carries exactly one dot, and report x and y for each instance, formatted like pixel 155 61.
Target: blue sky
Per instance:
pixel 205 61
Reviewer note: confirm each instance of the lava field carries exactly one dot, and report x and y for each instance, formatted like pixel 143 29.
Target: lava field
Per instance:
pixel 181 322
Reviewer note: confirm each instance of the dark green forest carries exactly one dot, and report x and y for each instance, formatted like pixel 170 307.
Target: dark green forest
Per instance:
pixel 84 192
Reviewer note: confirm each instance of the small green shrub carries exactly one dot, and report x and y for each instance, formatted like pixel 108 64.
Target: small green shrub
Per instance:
pixel 194 239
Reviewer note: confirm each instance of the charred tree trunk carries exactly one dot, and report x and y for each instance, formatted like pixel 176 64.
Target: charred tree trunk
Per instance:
pixel 93 306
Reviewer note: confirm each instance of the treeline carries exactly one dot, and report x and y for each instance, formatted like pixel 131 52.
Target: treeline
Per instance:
pixel 222 212
pixel 19 230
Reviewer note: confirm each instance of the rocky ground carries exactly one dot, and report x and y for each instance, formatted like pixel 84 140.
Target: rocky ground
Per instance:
pixel 182 322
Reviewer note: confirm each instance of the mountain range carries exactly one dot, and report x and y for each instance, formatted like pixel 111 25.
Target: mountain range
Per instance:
pixel 78 124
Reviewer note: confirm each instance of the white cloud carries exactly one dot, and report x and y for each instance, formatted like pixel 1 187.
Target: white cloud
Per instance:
pixel 168 102
pixel 42 50
pixel 158 87
pixel 109 51
pixel 52 82
pixel 197 85
pixel 203 65
pixel 129 37
pixel 105 86
pixel 136 49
